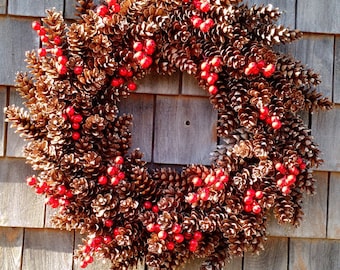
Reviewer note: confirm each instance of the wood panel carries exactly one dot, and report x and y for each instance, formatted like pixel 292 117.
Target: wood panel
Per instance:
pixel 2 119
pixel 3 6
pixel 333 225
pixel 185 130
pixel 318 16
pixel 337 70
pixel 159 84
pixel 287 8
pixel 190 86
pixel 141 106
pixel 19 38
pixel 234 264
pixel 47 250
pixel 19 205
pixel 34 8
pixel 274 256
pixel 11 240
pixel 312 254
pixel 326 130
pixel 314 221
pixel 15 144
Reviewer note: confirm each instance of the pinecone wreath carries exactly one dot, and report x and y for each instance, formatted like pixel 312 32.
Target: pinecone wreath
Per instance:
pixel 79 143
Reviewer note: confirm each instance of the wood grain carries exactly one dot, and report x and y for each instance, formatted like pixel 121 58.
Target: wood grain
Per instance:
pixel 313 254
pixel 19 205
pixel 318 16
pixel 190 86
pixel 19 38
pixel 337 70
pixel 274 256
pixel 314 221
pixel 15 144
pixel 159 84
pixel 234 264
pixel 3 6
pixel 326 130
pixel 2 119
pixel 11 240
pixel 141 106
pixel 333 225
pixel 185 130
pixel 34 8
pixel 46 249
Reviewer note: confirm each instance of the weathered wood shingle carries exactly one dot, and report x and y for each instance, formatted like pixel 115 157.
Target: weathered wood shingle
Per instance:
pixel 11 245
pixel 333 224
pixel 2 118
pixel 34 8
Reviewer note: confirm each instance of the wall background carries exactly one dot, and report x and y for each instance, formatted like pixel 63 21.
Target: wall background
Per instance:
pixel 28 242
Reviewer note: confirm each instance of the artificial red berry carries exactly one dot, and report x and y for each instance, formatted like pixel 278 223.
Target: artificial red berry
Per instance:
pixel 294 171
pixel 264 112
pixel 193 245
pixel 116 82
pixel 122 71
pixel 115 8
pixel 248 200
pixel 139 55
pixel 281 182
pixel 76 118
pixel 216 61
pixel 31 181
pixel 170 245
pixel 61 189
pixel 42 52
pixel 111 2
pixel 41 31
pixel 36 25
pixel 248 208
pixel 62 60
pixel 112 170
pixel 162 235
pixel 138 46
pixel 88 259
pixel 121 175
pixel 213 90
pixel 57 51
pixel 268 70
pixel 176 228
pixel 147 205
pixel 250 192
pixel 150 227
pixel 205 6
pixel 146 62
pixel 150 46
pixel 281 168
pixel 290 179
pixel 117 231
pixel 257 209
pixel 114 181
pixel 204 27
pixel 157 228
pixel 213 77
pixel 108 223
pixel 192 198
pixel 78 70
pixel 204 194
pixel 102 180
pixel 205 66
pixel 62 69
pixel 197 181
pixel 224 178
pixel 196 21
pixel 83 264
pixel 53 202
pixel 204 75
pixel 75 126
pixel 197 236
pixel 179 238
pixel 260 64
pixel 70 111
pixel 102 10
pixel 285 190
pixel 57 40
pixel 276 124
pixel 259 194
pixel 69 194
pixel 75 135
pixel 219 186
pixel 132 86
pixel 44 39
pixel 155 209
pixel 107 239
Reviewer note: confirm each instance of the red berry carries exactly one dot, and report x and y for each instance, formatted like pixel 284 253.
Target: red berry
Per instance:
pixel 75 135
pixel 107 239
pixel 117 231
pixel 146 62
pixel 170 246
pixel 76 118
pixel 70 111
pixel 61 190
pixel 197 181
pixel 213 77
pixel 213 90
pixel 204 27
pixel 139 55
pixel 53 202
pixel 196 21
pixel 83 264
pixel 216 61
pixel 102 10
pixel 260 64
pixel 248 208
pixel 205 7
pixel 150 46
pixel 57 51
pixel 150 227
pixel 108 223
pixel 285 190
pixel 257 209
pixel 224 178
pixel 132 86
pixel 129 73
pixel 155 209
pixel 62 60
pixel 121 175
pixel 179 238
pixel 209 22
pixel 31 181
pixel 119 160
pixel 302 166
pixel 42 31
pixel 176 228
pixel 268 70
pixel 112 170
pixel 75 126
pixel 280 167
pixel 193 245
pixel 62 69
pixel 116 82
pixel 205 66
pixel 123 71
pixel 276 124
pixel 204 194
pixel 111 2
pixel 102 180
pixel 44 39
pixel 250 192
pixel 57 40
pixel 115 8
pixel 204 75
pixel 197 236
pixel 219 185
pixel 157 228
pixel 281 182
pixel 88 259
pixel 291 179
pixel 114 181
pixel 259 194
pixel 42 52
pixel 294 171
pixel 78 70
pixel 248 200
pixel 69 194
pixel 264 112
pixel 36 25
pixel 252 69
pixel 192 198
pixel 162 235
pixel 138 46
pixel 147 205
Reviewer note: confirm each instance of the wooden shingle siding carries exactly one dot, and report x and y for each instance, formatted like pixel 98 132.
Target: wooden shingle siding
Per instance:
pixel 3 6
pixel 337 70
pixel 333 228
pixel 2 118
pixel 318 16
pixel 19 205
pixel 17 37
pixel 34 8
pixel 11 245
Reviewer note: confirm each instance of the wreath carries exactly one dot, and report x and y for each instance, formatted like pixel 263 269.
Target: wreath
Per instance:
pixel 79 142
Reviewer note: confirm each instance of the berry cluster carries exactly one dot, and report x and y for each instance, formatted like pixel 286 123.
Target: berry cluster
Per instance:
pixel 197 21
pixel 215 181
pixel 251 201
pixel 209 69
pixel 287 176
pixel 112 7
pixel 124 76
pixel 255 68
pixel 272 120
pixel 75 119
pixel 114 173
pixel 143 52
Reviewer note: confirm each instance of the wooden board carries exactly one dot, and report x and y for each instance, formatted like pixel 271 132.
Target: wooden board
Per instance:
pixel 190 86
pixel 274 256
pixel 2 119
pixel 11 240
pixel 142 108
pixel 314 221
pixel 234 264
pixel 337 70
pixel 185 130
pixel 312 254
pixel 46 249
pixel 19 38
pixel 326 130
pixel 159 84
pixel 287 8
pixel 15 143
pixel 19 205
pixel 34 8
pixel 3 6
pixel 318 16
pixel 333 225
